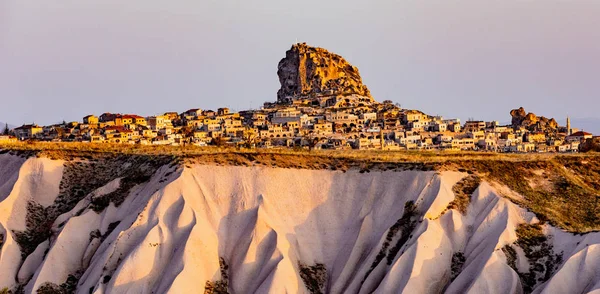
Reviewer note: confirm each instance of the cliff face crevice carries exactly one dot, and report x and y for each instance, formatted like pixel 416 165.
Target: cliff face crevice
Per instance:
pixel 242 229
pixel 311 72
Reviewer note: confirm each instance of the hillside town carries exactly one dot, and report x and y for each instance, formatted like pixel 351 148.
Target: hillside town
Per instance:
pixel 378 126
pixel 322 104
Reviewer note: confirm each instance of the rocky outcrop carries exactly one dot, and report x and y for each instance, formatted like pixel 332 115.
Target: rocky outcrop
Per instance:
pixel 312 72
pixel 530 121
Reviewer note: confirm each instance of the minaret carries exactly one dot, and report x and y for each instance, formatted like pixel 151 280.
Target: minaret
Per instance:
pixel 568 126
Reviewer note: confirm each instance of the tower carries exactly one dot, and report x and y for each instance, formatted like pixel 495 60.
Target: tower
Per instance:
pixel 568 126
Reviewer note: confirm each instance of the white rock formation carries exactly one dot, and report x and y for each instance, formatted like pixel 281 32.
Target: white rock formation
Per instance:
pixel 274 230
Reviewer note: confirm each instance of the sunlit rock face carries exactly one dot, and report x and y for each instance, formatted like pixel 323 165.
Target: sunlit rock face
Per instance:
pixel 530 121
pixel 149 227
pixel 312 72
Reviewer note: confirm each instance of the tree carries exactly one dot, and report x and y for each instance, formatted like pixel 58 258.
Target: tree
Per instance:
pixel 60 132
pixel 249 136
pixel 6 130
pixel 218 141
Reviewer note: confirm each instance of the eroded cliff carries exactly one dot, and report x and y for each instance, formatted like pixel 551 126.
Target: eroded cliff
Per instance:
pixel 144 225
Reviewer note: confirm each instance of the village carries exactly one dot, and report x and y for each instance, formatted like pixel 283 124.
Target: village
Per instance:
pixel 301 124
pixel 322 104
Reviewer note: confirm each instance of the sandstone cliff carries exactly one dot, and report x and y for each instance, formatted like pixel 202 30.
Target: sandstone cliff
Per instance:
pixel 530 121
pixel 311 72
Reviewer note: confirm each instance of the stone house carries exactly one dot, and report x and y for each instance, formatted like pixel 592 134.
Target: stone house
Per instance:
pixel 162 140
pixel 535 137
pixel 90 119
pixel 322 127
pixel 26 132
pixel 411 116
pixel 108 117
pixel 97 138
pixel 368 117
pixel 409 139
pixel 158 122
pixel 463 144
pixel 223 111
pixel 579 137
pixel 284 115
pixel 487 144
pixel 440 127
pixel 194 123
pixel 473 126
pixel 342 118
pixel 211 127
pixel 194 112
pixel 416 125
pixel 209 113
pixel 455 127
pixel 564 148
pixel 476 135
pixel 132 119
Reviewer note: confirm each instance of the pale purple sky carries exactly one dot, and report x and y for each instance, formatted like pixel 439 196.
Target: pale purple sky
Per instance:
pixel 65 59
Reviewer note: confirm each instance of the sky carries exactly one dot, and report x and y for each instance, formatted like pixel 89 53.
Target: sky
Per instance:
pixel 61 60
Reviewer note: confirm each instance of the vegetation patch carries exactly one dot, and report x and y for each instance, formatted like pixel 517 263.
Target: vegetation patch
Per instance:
pixel 106 279
pixel 570 203
pixel 80 178
pixel 458 260
pixel 314 277
pixel 110 229
pixel 220 286
pixel 405 225
pixel 50 288
pixel 96 234
pixel 463 191
pixel 543 262
pixel 118 196
pixel 38 225
pixel 511 256
pixel 68 287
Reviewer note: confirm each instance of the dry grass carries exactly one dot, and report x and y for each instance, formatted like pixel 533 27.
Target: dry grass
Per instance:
pixel 78 149
pixel 463 191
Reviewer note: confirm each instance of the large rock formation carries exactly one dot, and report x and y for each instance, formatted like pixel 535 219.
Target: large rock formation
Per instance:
pixel 311 72
pixel 147 224
pixel 103 223
pixel 532 122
